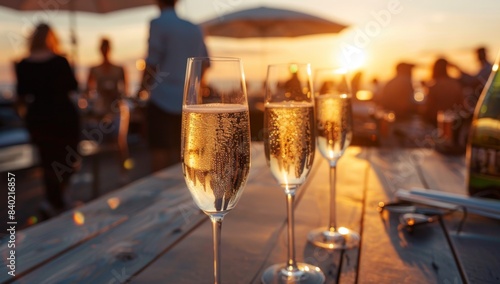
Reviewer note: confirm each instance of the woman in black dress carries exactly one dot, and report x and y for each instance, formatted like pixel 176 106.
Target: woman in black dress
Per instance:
pixel 44 82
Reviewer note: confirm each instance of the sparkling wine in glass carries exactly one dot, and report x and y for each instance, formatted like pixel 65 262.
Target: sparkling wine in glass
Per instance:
pixel 215 139
pixel 289 143
pixel 334 134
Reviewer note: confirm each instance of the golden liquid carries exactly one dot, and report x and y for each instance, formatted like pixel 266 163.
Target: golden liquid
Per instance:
pixel 289 141
pixel 333 125
pixel 215 154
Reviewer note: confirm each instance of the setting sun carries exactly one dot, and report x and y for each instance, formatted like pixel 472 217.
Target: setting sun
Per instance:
pixel 352 58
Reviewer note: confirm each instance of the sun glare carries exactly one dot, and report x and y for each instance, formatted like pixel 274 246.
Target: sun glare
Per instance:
pixel 352 59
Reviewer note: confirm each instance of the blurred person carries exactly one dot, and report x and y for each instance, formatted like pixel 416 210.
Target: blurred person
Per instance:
pixel 107 88
pixel 171 41
pixel 376 88
pixel 474 83
pixel 397 94
pixel 444 92
pixel 44 82
pixel 292 87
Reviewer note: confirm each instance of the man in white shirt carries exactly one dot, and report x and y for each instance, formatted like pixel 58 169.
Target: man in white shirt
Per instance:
pixel 171 41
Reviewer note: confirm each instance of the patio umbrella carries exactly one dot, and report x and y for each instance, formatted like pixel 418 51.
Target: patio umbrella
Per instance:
pixel 263 22
pixel 91 6
pixel 267 23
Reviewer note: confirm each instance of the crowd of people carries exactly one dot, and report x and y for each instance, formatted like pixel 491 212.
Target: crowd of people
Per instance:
pixel 45 80
pixel 442 93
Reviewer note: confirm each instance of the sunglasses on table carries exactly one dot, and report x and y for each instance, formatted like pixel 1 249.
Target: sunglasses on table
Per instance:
pixel 413 216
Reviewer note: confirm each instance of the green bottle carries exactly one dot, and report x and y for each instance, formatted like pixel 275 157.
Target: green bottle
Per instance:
pixel 483 147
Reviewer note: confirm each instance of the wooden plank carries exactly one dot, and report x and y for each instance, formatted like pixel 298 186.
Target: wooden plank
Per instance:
pixel 359 185
pixel 390 254
pixel 395 169
pixel 115 255
pixel 477 245
pixel 339 266
pixel 41 243
pixel 442 172
pixel 311 211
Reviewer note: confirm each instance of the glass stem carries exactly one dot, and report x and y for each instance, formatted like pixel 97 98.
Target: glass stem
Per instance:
pixel 216 230
pixel 291 264
pixel 333 177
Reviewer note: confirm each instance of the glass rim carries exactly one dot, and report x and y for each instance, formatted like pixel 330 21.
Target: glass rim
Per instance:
pixel 290 63
pixel 214 58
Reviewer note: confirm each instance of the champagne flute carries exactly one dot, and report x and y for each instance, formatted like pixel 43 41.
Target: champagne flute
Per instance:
pixel 289 143
pixel 215 139
pixel 334 134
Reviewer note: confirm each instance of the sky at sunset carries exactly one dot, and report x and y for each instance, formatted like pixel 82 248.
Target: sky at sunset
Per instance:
pixel 379 34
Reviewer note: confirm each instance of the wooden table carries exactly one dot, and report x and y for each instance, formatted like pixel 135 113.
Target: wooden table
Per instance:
pixel 151 232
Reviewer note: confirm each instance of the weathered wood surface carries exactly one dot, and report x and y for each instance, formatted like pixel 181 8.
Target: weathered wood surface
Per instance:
pixel 44 242
pixel 389 254
pixel 254 234
pixel 340 266
pixel 151 231
pixel 477 245
pixel 442 172
pixel 248 232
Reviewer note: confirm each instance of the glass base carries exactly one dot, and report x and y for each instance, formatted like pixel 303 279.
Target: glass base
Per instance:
pixel 306 274
pixel 342 238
